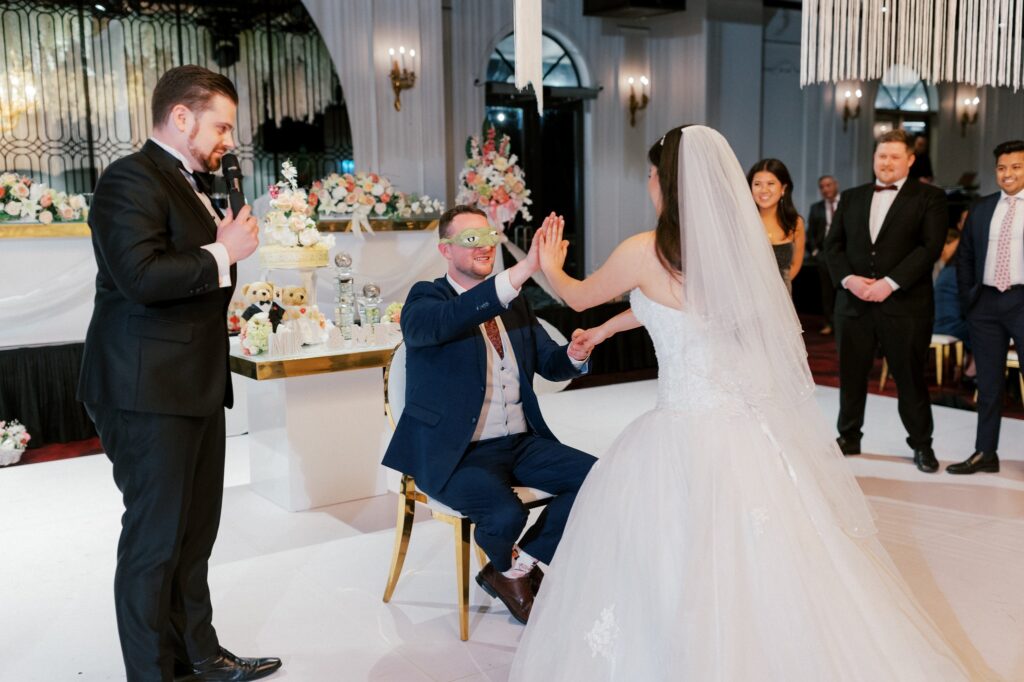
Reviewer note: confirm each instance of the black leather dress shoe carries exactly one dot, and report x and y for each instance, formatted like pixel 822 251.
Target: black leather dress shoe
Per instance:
pixel 848 446
pixel 925 460
pixel 226 667
pixel 979 461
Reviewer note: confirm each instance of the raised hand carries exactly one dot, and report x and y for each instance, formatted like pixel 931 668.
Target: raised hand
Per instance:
pixel 553 248
pixel 581 345
pixel 240 236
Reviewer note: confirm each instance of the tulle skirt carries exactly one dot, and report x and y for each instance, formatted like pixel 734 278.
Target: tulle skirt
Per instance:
pixel 691 555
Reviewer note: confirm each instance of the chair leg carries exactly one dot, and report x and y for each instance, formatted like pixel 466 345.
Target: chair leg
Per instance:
pixel 960 357
pixel 885 375
pixel 481 557
pixel 938 365
pixel 463 539
pixel 403 531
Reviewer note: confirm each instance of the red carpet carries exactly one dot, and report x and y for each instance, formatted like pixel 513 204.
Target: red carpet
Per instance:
pixel 55 451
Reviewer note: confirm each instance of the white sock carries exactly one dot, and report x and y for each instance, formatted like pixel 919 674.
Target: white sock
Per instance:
pixel 522 564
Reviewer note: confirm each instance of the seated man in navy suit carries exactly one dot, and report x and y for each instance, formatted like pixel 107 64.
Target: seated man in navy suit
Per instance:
pixel 472 428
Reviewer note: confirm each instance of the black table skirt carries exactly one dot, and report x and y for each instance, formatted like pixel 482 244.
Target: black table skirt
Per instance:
pixel 37 387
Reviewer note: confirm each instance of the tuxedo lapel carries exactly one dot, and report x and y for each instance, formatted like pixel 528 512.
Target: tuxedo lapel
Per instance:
pixel 986 209
pixel 904 198
pixel 479 342
pixel 168 165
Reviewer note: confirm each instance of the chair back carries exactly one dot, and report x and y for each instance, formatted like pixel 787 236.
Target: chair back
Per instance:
pixel 540 384
pixel 394 386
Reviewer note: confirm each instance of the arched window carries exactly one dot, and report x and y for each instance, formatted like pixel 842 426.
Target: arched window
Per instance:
pixel 905 101
pixel 559 69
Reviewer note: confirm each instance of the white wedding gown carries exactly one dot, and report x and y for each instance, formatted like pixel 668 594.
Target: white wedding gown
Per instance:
pixel 694 552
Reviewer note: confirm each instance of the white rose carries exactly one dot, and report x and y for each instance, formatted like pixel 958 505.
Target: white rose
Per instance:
pixel 20 191
pixel 297 223
pixel 45 217
pixel 275 220
pixel 13 208
pixel 77 201
pixel 377 190
pixel 308 237
pixel 8 179
pixel 379 208
pixel 288 238
pixel 67 213
pixel 501 163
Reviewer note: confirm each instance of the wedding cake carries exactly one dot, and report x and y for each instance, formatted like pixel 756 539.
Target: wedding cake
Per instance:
pixel 291 239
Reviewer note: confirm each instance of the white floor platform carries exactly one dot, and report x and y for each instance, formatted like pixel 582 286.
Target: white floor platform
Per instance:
pixel 307 586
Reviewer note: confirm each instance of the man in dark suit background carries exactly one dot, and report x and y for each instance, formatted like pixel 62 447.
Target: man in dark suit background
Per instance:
pixel 990 274
pixel 881 248
pixel 155 374
pixel 819 221
pixel 472 427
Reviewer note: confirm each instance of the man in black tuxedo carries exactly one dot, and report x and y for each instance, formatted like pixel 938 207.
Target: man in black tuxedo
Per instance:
pixel 472 427
pixel 990 277
pixel 155 374
pixel 881 248
pixel 819 221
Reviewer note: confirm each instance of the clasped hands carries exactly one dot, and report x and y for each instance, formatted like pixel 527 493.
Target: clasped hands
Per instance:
pixel 869 289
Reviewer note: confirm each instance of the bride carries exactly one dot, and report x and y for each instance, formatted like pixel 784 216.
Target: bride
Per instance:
pixel 722 537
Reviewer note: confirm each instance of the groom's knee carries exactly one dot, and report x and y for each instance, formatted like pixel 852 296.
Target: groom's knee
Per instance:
pixel 504 521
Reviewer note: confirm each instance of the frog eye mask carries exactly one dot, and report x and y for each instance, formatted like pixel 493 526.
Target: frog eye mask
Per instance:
pixel 475 237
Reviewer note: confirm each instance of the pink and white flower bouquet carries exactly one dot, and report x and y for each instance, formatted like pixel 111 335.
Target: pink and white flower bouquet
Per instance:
pixel 23 200
pixel 14 439
pixel 493 181
pixel 290 221
pixel 362 196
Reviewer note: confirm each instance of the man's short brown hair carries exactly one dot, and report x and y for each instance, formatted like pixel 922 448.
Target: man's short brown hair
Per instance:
pixel 448 216
pixel 192 86
pixel 898 135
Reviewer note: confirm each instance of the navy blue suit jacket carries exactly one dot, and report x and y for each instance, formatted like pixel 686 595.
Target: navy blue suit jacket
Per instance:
pixel 446 365
pixel 970 265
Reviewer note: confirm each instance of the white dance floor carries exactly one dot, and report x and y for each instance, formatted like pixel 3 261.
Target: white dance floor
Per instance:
pixel 307 586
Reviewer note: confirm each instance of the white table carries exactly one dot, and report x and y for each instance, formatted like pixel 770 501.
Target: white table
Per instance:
pixel 316 424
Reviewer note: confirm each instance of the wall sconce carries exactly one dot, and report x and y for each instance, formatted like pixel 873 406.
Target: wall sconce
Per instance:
pixel 636 104
pixel 851 105
pixel 401 78
pixel 17 97
pixel 968 114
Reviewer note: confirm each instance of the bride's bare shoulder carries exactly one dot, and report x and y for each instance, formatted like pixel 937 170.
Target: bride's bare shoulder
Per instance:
pixel 641 243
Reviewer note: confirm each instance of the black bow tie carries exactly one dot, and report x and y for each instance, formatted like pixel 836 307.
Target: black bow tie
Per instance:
pixel 204 181
pixel 884 188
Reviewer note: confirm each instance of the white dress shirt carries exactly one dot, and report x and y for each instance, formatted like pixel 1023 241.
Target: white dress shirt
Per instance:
pixel 1016 240
pixel 217 250
pixel 502 413
pixel 830 210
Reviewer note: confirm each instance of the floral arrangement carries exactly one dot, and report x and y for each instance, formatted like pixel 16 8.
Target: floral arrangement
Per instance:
pixel 368 195
pixel 13 441
pixel 492 181
pixel 23 200
pixel 393 313
pixel 290 222
pixel 255 335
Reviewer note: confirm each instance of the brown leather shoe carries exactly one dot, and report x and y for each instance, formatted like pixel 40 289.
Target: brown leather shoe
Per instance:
pixel 514 593
pixel 536 575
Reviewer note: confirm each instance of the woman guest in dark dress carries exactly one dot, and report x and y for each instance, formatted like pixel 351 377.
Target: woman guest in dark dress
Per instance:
pixel 772 188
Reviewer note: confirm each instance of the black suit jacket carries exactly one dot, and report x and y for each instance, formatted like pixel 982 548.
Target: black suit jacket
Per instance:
pixel 816 224
pixel 157 341
pixel 446 374
pixel 973 249
pixel 908 244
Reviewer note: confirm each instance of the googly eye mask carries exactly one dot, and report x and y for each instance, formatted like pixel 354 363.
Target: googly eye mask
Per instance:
pixel 474 237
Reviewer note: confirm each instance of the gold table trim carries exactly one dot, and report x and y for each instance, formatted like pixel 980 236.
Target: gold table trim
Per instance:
pixel 262 369
pixel 345 225
pixel 39 230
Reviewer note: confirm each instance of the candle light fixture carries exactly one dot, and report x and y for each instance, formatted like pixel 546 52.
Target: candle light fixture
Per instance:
pixel 968 113
pixel 851 105
pixel 402 77
pixel 637 103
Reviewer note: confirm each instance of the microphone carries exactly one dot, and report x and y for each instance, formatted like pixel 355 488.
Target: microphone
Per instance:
pixel 233 176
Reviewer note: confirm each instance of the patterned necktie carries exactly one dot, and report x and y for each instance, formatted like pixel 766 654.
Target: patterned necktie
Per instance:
pixel 1002 276
pixel 494 336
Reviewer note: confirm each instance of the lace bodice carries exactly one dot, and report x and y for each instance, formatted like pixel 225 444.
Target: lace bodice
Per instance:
pixel 686 376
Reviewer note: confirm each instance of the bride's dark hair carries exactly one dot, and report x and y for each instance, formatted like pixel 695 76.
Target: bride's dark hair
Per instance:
pixel 668 243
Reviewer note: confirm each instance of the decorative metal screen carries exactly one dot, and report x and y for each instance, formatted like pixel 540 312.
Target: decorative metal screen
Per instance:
pixel 78 76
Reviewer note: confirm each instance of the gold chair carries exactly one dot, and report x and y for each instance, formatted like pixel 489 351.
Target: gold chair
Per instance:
pixel 941 345
pixel 408 497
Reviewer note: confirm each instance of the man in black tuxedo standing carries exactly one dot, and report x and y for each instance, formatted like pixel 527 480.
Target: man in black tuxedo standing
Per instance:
pixel 881 248
pixel 155 374
pixel 819 221
pixel 990 277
